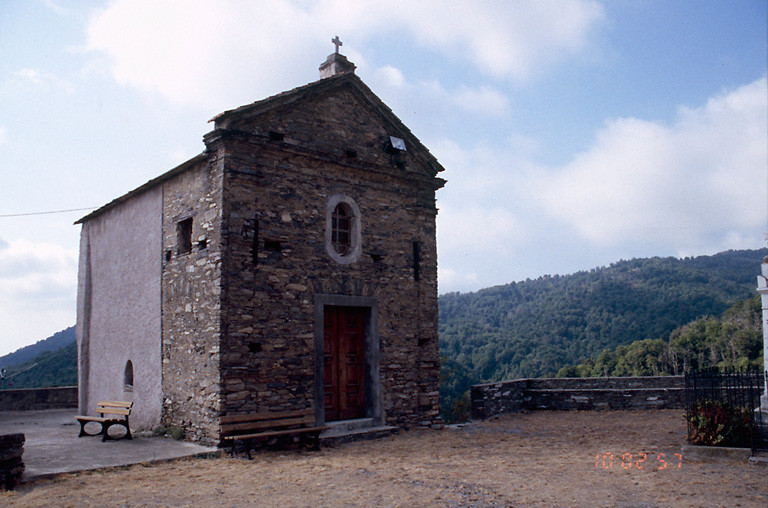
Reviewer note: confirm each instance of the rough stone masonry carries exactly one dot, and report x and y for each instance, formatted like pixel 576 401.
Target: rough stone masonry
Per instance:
pixel 315 200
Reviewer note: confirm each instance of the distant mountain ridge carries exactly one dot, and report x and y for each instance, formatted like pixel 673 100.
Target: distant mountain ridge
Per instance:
pixel 56 341
pixel 49 362
pixel 535 327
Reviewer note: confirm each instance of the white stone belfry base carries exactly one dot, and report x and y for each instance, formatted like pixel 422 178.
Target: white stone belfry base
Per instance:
pixel 762 288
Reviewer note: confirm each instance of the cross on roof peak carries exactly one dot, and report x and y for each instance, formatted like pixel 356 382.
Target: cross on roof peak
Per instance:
pixel 337 42
pixel 336 63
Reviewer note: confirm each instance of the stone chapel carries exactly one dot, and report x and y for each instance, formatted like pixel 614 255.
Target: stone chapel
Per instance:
pixel 291 265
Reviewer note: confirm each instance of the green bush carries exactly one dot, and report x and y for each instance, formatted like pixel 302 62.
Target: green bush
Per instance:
pixel 173 432
pixel 459 411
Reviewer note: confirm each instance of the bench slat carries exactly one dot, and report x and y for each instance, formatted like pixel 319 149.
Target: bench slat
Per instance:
pixel 113 411
pixel 115 403
pixel 89 418
pixel 302 430
pixel 271 424
pixel 247 428
pixel 266 416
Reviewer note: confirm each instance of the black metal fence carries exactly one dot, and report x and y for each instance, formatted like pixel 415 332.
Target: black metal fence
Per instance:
pixel 722 408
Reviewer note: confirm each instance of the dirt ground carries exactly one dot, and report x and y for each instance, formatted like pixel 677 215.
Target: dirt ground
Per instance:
pixel 544 458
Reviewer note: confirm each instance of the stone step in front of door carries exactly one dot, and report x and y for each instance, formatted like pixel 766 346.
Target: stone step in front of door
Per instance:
pixel 350 430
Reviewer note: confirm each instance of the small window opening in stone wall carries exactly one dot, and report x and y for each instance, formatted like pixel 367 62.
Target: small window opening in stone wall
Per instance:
pixel 255 243
pixel 273 245
pixel 395 145
pixel 202 244
pixel 416 260
pixel 254 347
pixel 350 153
pixel 168 255
pixel 184 236
pixel 128 377
pixel 377 255
pixel 276 136
pixel 341 229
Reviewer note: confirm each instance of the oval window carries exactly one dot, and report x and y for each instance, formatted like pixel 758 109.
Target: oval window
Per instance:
pixel 342 233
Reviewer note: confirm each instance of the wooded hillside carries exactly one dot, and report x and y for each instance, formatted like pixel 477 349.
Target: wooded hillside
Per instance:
pixel 56 341
pixel 734 340
pixel 48 362
pixel 536 327
pixel 51 368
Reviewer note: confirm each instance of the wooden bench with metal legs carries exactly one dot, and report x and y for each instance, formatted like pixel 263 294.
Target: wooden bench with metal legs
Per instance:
pixel 270 426
pixel 111 412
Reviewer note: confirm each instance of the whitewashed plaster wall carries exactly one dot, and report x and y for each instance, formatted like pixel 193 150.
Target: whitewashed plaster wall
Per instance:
pixel 119 305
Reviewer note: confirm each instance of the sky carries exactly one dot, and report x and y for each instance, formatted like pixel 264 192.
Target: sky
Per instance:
pixel 574 133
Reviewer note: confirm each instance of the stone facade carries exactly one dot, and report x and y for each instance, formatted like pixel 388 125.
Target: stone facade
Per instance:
pixel 191 304
pixel 249 266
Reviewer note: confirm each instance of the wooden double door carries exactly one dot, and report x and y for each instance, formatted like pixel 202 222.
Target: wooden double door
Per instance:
pixel 344 360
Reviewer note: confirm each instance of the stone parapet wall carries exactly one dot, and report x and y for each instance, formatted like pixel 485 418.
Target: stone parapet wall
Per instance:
pixel 662 392
pixel 29 399
pixel 603 383
pixel 11 464
pixel 496 398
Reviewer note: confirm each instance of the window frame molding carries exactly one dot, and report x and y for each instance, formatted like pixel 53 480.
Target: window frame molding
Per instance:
pixel 355 230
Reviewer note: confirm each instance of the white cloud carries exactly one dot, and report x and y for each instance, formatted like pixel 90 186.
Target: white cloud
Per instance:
pixel 206 52
pixel 483 99
pixel 485 173
pixel 36 269
pixel 390 76
pixel 224 52
pixel 31 75
pixel 697 184
pixel 507 39
pixel 485 220
pixel 53 6
pixel 39 78
pixel 37 291
pixel 433 97
pixel 454 281
pixel 474 229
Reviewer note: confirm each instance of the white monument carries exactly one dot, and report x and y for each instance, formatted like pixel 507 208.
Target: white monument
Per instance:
pixel 762 288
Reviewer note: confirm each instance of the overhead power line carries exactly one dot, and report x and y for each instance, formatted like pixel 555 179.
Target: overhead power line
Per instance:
pixel 47 213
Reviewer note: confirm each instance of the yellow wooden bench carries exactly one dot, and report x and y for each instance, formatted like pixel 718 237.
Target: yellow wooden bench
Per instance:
pixel 111 412
pixel 270 426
